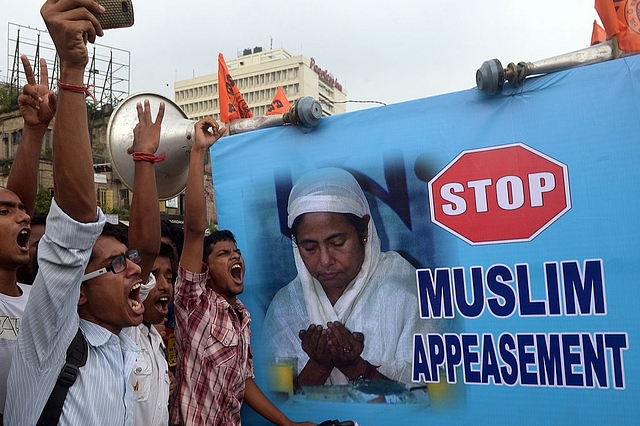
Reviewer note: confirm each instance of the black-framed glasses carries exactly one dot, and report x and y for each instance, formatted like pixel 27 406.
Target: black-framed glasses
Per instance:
pixel 117 265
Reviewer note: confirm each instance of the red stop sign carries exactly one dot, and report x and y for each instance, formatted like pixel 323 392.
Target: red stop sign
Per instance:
pixel 499 194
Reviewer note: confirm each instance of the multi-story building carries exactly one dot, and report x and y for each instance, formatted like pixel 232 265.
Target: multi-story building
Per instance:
pixel 258 74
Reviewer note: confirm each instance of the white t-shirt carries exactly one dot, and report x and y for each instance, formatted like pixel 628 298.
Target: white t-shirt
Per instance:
pixel 11 309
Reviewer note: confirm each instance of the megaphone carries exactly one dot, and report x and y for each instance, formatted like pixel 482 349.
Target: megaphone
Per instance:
pixel 176 140
pixel 177 133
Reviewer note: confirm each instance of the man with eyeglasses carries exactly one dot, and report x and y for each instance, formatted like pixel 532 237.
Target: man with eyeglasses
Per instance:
pixel 87 279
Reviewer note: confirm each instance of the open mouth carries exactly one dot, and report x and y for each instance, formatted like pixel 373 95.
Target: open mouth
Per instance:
pixel 162 305
pixel 236 271
pixel 134 298
pixel 23 239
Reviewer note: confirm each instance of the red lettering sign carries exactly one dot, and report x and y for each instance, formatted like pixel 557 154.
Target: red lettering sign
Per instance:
pixel 326 76
pixel 499 194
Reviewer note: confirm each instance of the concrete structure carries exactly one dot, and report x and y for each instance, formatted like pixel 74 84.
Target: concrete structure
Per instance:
pixel 258 74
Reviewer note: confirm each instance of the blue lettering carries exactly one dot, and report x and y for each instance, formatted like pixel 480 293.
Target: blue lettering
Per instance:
pixel 435 296
pixel 436 352
pixel 527 306
pixel 490 366
pixel 507 345
pixel 470 357
pixel 616 342
pixel 571 359
pixel 549 359
pixel 496 277
pixel 526 377
pixel 476 307
pixel 585 290
pixel 553 287
pixel 420 360
pixel 594 359
pixel 454 355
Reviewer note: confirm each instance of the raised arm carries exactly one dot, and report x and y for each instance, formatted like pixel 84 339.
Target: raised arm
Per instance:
pixel 38 106
pixel 206 133
pixel 144 224
pixel 71 23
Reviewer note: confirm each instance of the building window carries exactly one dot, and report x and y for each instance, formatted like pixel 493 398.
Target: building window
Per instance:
pixel 124 197
pixel 102 197
pixel 5 144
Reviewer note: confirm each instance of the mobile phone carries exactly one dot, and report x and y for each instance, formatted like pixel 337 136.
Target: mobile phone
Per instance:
pixel 117 14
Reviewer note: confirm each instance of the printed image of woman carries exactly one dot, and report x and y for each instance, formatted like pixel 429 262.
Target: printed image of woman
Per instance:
pixel 352 310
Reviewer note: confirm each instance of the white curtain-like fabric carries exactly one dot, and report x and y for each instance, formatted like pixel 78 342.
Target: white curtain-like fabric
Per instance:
pixel 381 302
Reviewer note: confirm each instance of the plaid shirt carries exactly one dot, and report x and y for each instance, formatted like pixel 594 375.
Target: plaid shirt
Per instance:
pixel 214 354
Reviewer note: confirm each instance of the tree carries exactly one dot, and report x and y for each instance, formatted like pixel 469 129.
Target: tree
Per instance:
pixel 8 99
pixel 43 200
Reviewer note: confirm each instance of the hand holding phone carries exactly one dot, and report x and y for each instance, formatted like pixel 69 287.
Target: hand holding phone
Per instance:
pixel 117 14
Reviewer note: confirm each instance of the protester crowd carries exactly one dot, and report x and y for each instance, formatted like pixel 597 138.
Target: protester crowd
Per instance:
pixel 87 313
pixel 86 304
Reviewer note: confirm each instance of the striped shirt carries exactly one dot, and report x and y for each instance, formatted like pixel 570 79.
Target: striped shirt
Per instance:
pixel 102 393
pixel 214 354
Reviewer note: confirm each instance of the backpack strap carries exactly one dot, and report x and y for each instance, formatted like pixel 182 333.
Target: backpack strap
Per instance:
pixel 76 358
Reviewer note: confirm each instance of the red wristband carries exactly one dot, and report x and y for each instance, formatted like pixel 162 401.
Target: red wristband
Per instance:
pixel 145 156
pixel 77 89
pixel 370 372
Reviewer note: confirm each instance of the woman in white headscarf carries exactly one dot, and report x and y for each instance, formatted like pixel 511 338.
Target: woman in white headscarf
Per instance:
pixel 352 310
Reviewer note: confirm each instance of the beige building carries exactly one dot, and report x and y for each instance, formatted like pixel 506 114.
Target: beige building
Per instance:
pixel 258 74
pixel 11 125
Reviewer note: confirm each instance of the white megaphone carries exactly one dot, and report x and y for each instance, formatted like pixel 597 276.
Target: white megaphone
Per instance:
pixel 176 137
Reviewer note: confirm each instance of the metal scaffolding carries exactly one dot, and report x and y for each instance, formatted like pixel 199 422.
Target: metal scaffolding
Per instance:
pixel 108 73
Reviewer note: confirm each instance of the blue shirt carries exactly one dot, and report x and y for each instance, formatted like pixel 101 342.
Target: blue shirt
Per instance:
pixel 102 394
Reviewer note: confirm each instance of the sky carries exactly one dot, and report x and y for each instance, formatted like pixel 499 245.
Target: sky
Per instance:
pixel 387 51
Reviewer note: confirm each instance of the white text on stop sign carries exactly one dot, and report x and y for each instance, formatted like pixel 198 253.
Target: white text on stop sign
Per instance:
pixel 509 190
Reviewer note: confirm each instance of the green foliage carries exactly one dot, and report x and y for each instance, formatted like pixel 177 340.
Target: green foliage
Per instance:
pixel 8 100
pixel 211 227
pixel 122 212
pixel 43 200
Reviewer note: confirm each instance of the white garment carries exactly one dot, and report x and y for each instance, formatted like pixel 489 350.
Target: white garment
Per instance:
pixel 150 377
pixel 381 302
pixel 11 309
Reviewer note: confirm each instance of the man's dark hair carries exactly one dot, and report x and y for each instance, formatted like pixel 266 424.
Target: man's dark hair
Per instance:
pixel 39 219
pixel 214 237
pixel 174 232
pixel 120 232
pixel 166 250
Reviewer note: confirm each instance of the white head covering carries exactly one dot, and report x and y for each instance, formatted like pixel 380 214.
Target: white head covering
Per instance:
pixel 332 190
pixel 145 289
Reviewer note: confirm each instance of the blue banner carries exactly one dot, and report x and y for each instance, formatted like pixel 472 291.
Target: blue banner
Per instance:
pixel 518 211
